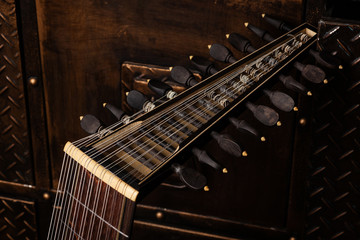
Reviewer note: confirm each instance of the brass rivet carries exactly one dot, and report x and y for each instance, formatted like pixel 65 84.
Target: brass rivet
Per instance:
pixel 206 188
pixel 81 117
pixel 278 123
pixel 309 93
pixel 263 139
pixel 341 67
pixel 292 238
pixel 209 46
pixel 326 81
pixel 33 81
pixel 225 170
pixel 244 153
pixel 302 121
pixel 159 215
pixel 296 109
pixel 227 35
pixel 46 196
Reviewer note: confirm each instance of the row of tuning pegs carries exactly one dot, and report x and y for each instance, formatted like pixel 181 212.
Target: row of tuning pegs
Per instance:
pixel 266 115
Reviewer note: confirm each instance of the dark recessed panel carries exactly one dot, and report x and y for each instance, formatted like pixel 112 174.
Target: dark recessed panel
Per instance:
pixel 15 161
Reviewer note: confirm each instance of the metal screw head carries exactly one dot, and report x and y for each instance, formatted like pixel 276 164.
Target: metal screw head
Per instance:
pixel 46 196
pixel 302 121
pixel 159 215
pixel 33 81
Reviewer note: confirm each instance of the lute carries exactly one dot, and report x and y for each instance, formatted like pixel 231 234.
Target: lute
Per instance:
pixel 103 174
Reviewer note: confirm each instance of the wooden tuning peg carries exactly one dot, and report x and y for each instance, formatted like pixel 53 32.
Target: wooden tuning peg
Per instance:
pixel 264 114
pixel 205 66
pixel 190 177
pixel 90 124
pixel 311 72
pixel 240 43
pixel 183 76
pixel 281 100
pixel 118 113
pixel 161 88
pixel 221 53
pixel 290 83
pixel 264 35
pixel 326 59
pixel 203 157
pixel 244 126
pixel 139 101
pixel 227 144
pixel 276 23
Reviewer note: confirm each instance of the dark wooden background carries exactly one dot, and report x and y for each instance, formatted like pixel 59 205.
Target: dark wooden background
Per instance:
pixel 75 49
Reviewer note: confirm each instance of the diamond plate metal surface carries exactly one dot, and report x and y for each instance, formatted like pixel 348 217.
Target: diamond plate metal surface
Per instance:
pixel 15 164
pixel 17 219
pixel 334 198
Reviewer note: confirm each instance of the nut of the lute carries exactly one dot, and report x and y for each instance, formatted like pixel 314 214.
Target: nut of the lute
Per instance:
pixel 309 93
pixel 191 57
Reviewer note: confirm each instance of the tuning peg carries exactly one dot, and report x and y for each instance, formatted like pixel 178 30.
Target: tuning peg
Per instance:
pixel 221 53
pixel 264 35
pixel 203 157
pixel 240 42
pixel 117 112
pixel 264 114
pixel 205 66
pixel 139 101
pixel 311 72
pixel 227 144
pixel 161 88
pixel 243 125
pixel 281 100
pixel 90 124
pixel 183 76
pixel 326 59
pixel 276 23
pixel 290 83
pixel 190 177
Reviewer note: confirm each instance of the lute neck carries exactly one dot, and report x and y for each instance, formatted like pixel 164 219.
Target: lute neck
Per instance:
pixel 103 173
